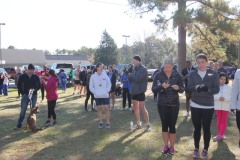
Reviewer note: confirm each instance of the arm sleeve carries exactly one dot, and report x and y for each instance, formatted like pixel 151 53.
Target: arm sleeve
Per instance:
pixel 109 84
pixel 19 85
pixel 191 86
pixel 91 85
pixel 139 76
pixel 235 91
pixel 155 86
pixel 180 84
pixel 215 87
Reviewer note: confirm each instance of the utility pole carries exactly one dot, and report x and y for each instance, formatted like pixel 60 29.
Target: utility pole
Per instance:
pixel 126 36
pixel 1 62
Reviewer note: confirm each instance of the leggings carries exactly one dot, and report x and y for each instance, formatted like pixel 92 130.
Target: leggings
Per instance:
pixel 89 93
pixel 202 118
pixel 42 91
pixel 168 116
pixel 51 109
pixel 238 119
pixel 126 94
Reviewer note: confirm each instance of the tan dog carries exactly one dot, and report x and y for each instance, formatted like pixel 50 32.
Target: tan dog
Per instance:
pixel 32 119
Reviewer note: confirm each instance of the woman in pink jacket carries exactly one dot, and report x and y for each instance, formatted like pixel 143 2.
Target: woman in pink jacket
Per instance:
pixel 51 88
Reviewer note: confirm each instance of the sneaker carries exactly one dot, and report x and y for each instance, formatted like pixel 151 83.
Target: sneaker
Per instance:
pixel 130 109
pixel 53 123
pixel 217 138
pixel 138 125
pixel 108 126
pixel 171 151
pixel 122 109
pixel 149 127
pixel 100 126
pixel 165 150
pixel 94 110
pixel 47 124
pixel 187 114
pixel 204 154
pixel 17 127
pixel 196 153
pixel 73 93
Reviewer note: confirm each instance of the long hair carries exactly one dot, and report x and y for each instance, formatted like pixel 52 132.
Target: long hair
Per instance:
pixel 52 73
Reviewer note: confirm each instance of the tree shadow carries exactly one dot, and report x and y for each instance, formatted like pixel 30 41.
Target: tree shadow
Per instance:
pixel 184 129
pixel 224 151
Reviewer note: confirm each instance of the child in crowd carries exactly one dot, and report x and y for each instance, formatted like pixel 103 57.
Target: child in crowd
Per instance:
pixel 5 84
pixel 63 80
pixel 222 106
pixel 1 82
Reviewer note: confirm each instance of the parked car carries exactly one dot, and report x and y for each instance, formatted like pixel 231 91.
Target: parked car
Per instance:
pixel 150 74
pixel 36 67
pixel 2 70
pixel 11 72
pixel 66 66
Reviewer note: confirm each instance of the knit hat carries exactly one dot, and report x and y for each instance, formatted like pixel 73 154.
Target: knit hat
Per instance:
pixel 137 57
pixel 31 67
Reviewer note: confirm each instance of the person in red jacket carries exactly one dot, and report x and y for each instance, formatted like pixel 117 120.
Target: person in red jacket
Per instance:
pixel 51 88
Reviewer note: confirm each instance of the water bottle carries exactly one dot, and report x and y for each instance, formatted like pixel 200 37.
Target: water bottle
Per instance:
pixel 131 126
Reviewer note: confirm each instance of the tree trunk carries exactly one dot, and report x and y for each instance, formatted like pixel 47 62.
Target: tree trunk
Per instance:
pixel 182 36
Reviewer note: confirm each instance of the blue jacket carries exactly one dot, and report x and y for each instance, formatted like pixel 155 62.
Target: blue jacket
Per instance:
pixel 125 81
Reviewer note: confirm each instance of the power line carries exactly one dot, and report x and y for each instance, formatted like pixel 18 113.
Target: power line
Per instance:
pixel 108 3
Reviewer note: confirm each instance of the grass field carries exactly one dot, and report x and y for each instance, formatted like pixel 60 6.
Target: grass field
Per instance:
pixel 76 136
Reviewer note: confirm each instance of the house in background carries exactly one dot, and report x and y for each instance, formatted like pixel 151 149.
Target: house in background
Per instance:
pixel 74 59
pixel 20 57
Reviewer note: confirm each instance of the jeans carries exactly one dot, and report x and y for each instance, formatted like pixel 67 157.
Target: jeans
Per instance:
pixel 202 118
pixel 24 104
pixel 5 89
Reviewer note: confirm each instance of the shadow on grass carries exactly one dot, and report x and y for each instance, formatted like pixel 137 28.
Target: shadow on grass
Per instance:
pixel 185 128
pixel 224 151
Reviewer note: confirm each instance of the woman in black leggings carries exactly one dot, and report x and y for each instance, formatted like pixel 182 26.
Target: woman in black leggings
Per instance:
pixel 168 83
pixel 235 100
pixel 203 83
pixel 52 96
pixel 89 93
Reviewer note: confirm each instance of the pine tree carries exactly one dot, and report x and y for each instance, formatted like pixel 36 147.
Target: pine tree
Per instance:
pixel 107 51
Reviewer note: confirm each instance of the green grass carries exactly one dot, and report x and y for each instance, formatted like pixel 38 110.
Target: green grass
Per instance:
pixel 76 135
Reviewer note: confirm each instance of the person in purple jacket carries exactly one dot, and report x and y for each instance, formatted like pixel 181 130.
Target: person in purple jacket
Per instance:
pixel 51 88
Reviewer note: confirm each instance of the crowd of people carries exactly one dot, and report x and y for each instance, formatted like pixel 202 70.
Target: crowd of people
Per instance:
pixel 206 87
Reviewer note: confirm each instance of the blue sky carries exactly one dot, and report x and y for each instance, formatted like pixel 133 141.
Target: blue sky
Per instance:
pixel 69 24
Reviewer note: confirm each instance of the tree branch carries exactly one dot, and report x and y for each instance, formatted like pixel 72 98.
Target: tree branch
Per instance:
pixel 220 11
pixel 199 29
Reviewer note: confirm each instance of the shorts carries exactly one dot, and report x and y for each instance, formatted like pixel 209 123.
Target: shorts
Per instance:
pixel 139 97
pixel 77 82
pixel 102 101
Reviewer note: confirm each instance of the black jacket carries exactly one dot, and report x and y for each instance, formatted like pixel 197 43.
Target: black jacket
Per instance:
pixel 113 81
pixel 25 83
pixel 186 72
pixel 211 80
pixel 83 77
pixel 169 96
